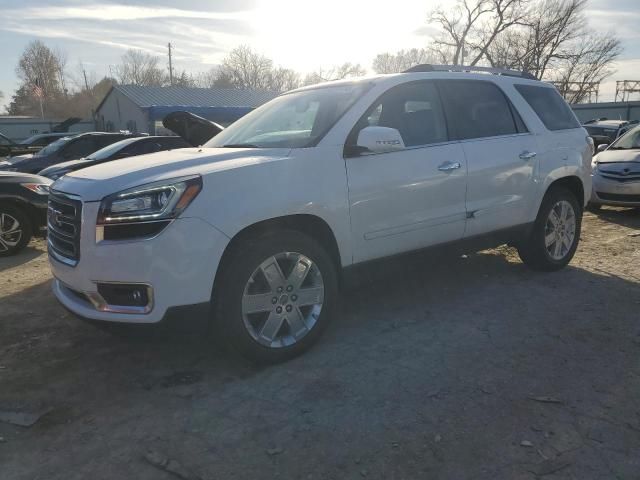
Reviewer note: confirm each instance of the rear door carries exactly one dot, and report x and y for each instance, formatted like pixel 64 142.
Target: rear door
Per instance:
pixel 412 198
pixel 500 153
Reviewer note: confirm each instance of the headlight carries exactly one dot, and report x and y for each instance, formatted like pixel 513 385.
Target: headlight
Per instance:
pixel 38 188
pixel 155 202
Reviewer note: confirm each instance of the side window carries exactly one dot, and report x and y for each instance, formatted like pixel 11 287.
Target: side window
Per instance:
pixel 478 109
pixel 413 109
pixel 172 143
pixel 80 148
pixel 549 106
pixel 105 140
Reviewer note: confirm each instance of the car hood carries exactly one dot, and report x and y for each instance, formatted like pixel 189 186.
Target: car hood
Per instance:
pixel 71 164
pixel 96 182
pixel 193 129
pixel 610 156
pixel 13 177
pixel 19 158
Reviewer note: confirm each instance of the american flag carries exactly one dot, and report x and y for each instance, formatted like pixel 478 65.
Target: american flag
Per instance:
pixel 37 90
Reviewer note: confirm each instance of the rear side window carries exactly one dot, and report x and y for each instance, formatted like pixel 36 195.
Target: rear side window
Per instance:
pixel 478 109
pixel 549 106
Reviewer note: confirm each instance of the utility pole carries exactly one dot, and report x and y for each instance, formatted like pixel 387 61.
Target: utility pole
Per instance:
pixel 170 67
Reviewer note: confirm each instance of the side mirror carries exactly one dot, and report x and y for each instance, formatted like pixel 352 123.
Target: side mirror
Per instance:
pixel 602 147
pixel 380 140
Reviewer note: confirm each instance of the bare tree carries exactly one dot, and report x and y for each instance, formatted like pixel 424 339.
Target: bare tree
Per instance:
pixel 284 79
pixel 402 60
pixel 338 72
pixel 39 66
pixel 547 38
pixel 140 68
pixel 588 63
pixel 552 27
pixel 245 68
pixel 469 29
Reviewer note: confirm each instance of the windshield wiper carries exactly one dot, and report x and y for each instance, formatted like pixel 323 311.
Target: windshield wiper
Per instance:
pixel 240 145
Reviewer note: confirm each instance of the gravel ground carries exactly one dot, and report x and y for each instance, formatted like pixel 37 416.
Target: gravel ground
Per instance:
pixel 455 368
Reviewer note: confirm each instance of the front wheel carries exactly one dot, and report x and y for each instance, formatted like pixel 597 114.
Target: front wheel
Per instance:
pixel 15 230
pixel 556 232
pixel 275 295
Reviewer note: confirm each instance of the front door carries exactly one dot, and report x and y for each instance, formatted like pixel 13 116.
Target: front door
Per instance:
pixel 412 198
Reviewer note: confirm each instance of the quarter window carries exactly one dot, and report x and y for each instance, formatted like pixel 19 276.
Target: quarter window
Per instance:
pixel 478 109
pixel 549 106
pixel 413 109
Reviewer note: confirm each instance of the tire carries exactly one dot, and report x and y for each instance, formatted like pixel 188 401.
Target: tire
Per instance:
pixel 261 315
pixel 16 229
pixel 536 252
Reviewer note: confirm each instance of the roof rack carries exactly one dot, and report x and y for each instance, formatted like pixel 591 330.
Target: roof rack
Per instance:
pixel 465 68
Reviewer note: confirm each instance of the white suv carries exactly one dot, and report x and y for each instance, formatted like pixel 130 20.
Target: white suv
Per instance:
pixel 261 220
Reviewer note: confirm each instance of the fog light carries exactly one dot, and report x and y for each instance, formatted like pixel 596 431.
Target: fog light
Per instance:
pixel 124 295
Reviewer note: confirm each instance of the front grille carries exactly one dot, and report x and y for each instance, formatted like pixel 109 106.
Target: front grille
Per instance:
pixel 64 217
pixel 618 197
pixel 620 176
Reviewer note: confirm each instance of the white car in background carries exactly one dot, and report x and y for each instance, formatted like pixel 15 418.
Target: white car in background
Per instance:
pixel 260 221
pixel 616 172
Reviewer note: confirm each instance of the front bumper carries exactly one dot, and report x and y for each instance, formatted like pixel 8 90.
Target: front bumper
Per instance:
pixel 614 192
pixel 178 266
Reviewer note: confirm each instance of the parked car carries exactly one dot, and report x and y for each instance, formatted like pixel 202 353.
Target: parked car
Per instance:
pixel 604 131
pixel 23 209
pixel 123 149
pixel 63 150
pixel 8 148
pixel 616 172
pixel 260 222
pixel 41 140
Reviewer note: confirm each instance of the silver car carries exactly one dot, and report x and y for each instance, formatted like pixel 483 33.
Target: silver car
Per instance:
pixel 616 172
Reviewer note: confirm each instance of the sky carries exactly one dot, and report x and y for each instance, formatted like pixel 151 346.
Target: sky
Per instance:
pixel 300 34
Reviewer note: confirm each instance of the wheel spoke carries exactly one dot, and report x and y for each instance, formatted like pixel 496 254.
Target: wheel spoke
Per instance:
pixel 271 327
pixel 549 239
pixel 310 296
pixel 273 273
pixel 299 272
pixel 564 211
pixel 6 227
pixel 567 240
pixel 296 322
pixel 557 250
pixel 3 246
pixel 257 303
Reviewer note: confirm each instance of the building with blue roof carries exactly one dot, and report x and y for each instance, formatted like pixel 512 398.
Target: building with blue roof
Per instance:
pixel 141 109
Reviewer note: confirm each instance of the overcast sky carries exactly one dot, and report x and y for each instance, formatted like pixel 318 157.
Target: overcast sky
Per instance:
pixel 298 34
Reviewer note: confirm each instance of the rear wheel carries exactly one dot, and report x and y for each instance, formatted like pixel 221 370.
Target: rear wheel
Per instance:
pixel 15 230
pixel 275 295
pixel 556 232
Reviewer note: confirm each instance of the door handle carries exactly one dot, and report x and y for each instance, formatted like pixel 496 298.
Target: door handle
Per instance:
pixel 527 155
pixel 449 166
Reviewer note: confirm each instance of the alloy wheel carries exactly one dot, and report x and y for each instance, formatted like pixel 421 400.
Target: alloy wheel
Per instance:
pixel 560 230
pixel 10 232
pixel 282 299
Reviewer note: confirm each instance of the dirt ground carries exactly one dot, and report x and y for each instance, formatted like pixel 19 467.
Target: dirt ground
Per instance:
pixel 457 368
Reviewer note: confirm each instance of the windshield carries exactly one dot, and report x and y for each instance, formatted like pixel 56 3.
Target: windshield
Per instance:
pixel 294 120
pixel 52 147
pixel 628 141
